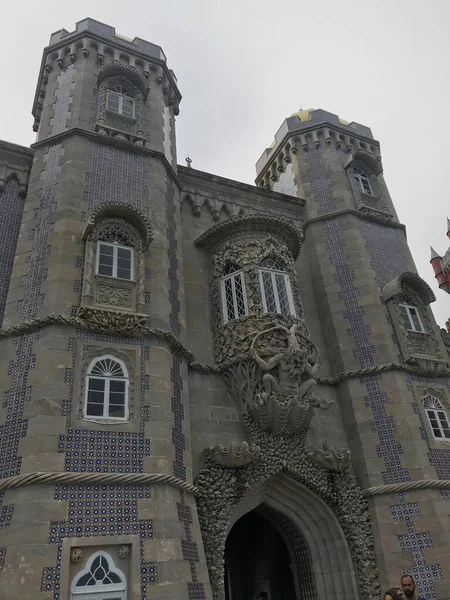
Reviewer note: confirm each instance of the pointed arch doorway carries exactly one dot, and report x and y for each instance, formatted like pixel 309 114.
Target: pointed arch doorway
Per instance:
pixel 263 562
pixel 285 543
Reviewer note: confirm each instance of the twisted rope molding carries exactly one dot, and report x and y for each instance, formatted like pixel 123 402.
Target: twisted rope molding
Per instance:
pixel 97 478
pixel 407 486
pixel 53 319
pixel 433 369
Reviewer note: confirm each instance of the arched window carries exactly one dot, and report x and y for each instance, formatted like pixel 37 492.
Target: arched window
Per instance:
pixel 115 258
pixel 100 580
pixel 234 299
pixel 120 101
pixel 411 318
pixel 363 180
pixel 276 290
pixel 107 386
pixel 437 417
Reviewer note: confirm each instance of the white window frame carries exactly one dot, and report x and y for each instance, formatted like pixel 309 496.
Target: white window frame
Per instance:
pixel 116 246
pixel 359 175
pixel 106 416
pixel 432 405
pixel 121 96
pixel 233 277
pixel 412 327
pixel 287 282
pixel 110 591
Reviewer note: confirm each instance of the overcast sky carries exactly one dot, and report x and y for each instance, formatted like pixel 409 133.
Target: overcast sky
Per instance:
pixel 243 66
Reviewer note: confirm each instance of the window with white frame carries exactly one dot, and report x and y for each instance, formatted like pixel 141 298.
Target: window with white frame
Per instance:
pixel 234 299
pixel 100 580
pixel 120 101
pixel 115 260
pixel 107 387
pixel 363 181
pixel 276 289
pixel 411 318
pixel 437 417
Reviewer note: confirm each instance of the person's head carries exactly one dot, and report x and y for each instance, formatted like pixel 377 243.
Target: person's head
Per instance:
pixel 408 586
pixel 393 594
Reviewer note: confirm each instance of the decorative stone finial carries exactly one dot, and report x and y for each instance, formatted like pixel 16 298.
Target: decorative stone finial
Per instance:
pixel 188 161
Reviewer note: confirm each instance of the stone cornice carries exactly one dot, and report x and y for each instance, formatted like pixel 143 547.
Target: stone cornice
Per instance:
pixel 216 184
pixel 280 226
pixel 72 38
pixel 54 139
pixel 350 211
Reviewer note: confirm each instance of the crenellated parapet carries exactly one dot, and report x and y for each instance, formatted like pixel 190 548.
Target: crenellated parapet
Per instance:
pixel 113 55
pixel 312 129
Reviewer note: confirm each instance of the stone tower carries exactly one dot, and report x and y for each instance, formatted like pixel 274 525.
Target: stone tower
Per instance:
pixel 211 390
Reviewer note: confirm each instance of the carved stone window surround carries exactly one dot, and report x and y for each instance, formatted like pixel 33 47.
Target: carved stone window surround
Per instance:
pixel 104 291
pixel 83 359
pixel 409 289
pixel 130 566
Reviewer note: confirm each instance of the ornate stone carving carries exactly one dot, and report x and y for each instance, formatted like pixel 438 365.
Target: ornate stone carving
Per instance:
pixel 108 321
pixel 286 402
pixel 330 458
pixel 113 296
pixel 76 555
pixel 123 551
pixel 220 489
pixel 233 455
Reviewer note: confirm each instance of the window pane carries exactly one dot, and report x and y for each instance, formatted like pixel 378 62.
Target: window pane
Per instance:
pixel 269 292
pixel 117 386
pixel 123 273
pixel 94 410
pixel 415 319
pixel 405 316
pixel 96 384
pixel 116 411
pixel 106 249
pixel 124 263
pixel 239 293
pixel 282 294
pixel 113 102
pixel 229 299
pixel 124 253
pixel 127 107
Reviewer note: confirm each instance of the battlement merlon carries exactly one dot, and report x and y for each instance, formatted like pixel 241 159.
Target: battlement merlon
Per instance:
pixel 65 46
pixel 306 121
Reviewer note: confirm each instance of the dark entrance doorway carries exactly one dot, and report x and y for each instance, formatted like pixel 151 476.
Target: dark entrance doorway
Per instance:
pixel 257 561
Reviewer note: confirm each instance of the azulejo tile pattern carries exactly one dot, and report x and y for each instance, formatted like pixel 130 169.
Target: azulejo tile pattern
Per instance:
pixel 2 557
pixel 364 352
pixel 105 451
pixel 15 427
pixel 385 250
pixel 33 297
pixel 424 575
pixel 196 590
pixel 94 511
pixel 11 206
pixel 117 176
pixel 6 513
